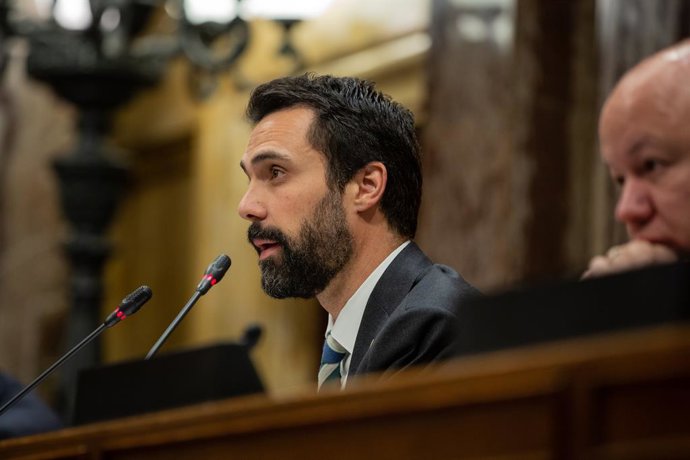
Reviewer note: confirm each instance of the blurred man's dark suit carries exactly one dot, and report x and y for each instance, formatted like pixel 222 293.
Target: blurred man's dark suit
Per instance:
pixel 27 416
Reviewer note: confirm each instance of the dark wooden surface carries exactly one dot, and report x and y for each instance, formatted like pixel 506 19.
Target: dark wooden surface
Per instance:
pixel 623 396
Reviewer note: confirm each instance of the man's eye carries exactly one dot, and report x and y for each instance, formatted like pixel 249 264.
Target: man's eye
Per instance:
pixel 276 172
pixel 650 165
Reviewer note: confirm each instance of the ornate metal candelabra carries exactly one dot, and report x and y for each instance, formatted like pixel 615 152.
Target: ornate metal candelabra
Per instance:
pixel 98 69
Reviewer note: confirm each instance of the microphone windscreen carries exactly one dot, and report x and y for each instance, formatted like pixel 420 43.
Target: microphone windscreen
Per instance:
pixel 251 335
pixel 218 267
pixel 214 273
pixel 133 302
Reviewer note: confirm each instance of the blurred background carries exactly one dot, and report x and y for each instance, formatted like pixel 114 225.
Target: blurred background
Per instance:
pixel 120 141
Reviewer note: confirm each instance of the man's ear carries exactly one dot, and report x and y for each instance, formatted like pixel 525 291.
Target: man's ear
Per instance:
pixel 370 183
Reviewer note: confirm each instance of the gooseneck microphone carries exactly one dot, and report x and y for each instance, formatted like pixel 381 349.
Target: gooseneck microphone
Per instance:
pixel 213 274
pixel 129 306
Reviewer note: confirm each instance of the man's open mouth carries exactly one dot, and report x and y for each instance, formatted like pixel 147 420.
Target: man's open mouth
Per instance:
pixel 265 248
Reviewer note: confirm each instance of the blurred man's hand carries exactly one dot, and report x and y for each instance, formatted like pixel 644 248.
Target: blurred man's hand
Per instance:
pixel 628 256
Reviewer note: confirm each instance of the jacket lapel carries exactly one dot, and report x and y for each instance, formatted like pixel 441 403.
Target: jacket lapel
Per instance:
pixel 395 283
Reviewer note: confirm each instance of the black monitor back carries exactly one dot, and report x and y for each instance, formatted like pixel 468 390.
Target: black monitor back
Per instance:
pixel 651 296
pixel 164 382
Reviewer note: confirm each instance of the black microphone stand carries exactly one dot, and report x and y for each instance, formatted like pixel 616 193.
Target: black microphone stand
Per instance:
pixel 129 305
pixel 178 319
pixel 213 274
pixel 45 373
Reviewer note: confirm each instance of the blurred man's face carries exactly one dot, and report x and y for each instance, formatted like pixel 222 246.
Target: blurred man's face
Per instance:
pixel 645 141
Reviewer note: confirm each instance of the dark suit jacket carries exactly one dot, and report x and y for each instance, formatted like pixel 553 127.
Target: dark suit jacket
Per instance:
pixel 410 316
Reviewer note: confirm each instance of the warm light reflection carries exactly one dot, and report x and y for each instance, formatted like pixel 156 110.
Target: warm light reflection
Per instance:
pixel 76 14
pixel 200 11
pixel 284 9
pixel 73 14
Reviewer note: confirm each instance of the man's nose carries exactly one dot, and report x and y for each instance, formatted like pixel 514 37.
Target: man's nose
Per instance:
pixel 634 207
pixel 251 208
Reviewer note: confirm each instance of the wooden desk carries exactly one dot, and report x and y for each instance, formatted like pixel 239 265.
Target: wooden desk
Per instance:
pixel 623 396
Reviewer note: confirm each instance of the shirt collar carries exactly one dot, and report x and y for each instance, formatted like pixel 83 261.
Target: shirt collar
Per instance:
pixel 345 329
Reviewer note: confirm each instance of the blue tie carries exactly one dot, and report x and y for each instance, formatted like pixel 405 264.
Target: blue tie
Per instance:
pixel 333 354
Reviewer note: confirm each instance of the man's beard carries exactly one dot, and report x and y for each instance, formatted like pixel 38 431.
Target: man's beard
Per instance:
pixel 310 261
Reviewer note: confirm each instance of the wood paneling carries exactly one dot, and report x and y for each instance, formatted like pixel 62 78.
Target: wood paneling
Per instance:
pixel 620 396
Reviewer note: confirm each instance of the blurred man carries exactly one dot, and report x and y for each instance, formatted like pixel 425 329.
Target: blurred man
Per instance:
pixel 333 196
pixel 28 416
pixel 645 143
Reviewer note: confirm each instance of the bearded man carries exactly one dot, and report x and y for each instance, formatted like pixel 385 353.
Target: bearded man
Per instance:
pixel 333 196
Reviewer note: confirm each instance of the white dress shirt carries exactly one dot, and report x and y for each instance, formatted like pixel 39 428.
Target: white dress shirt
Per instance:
pixel 344 329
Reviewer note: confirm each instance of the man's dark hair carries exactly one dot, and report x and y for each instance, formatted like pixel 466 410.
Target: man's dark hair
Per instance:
pixel 354 124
